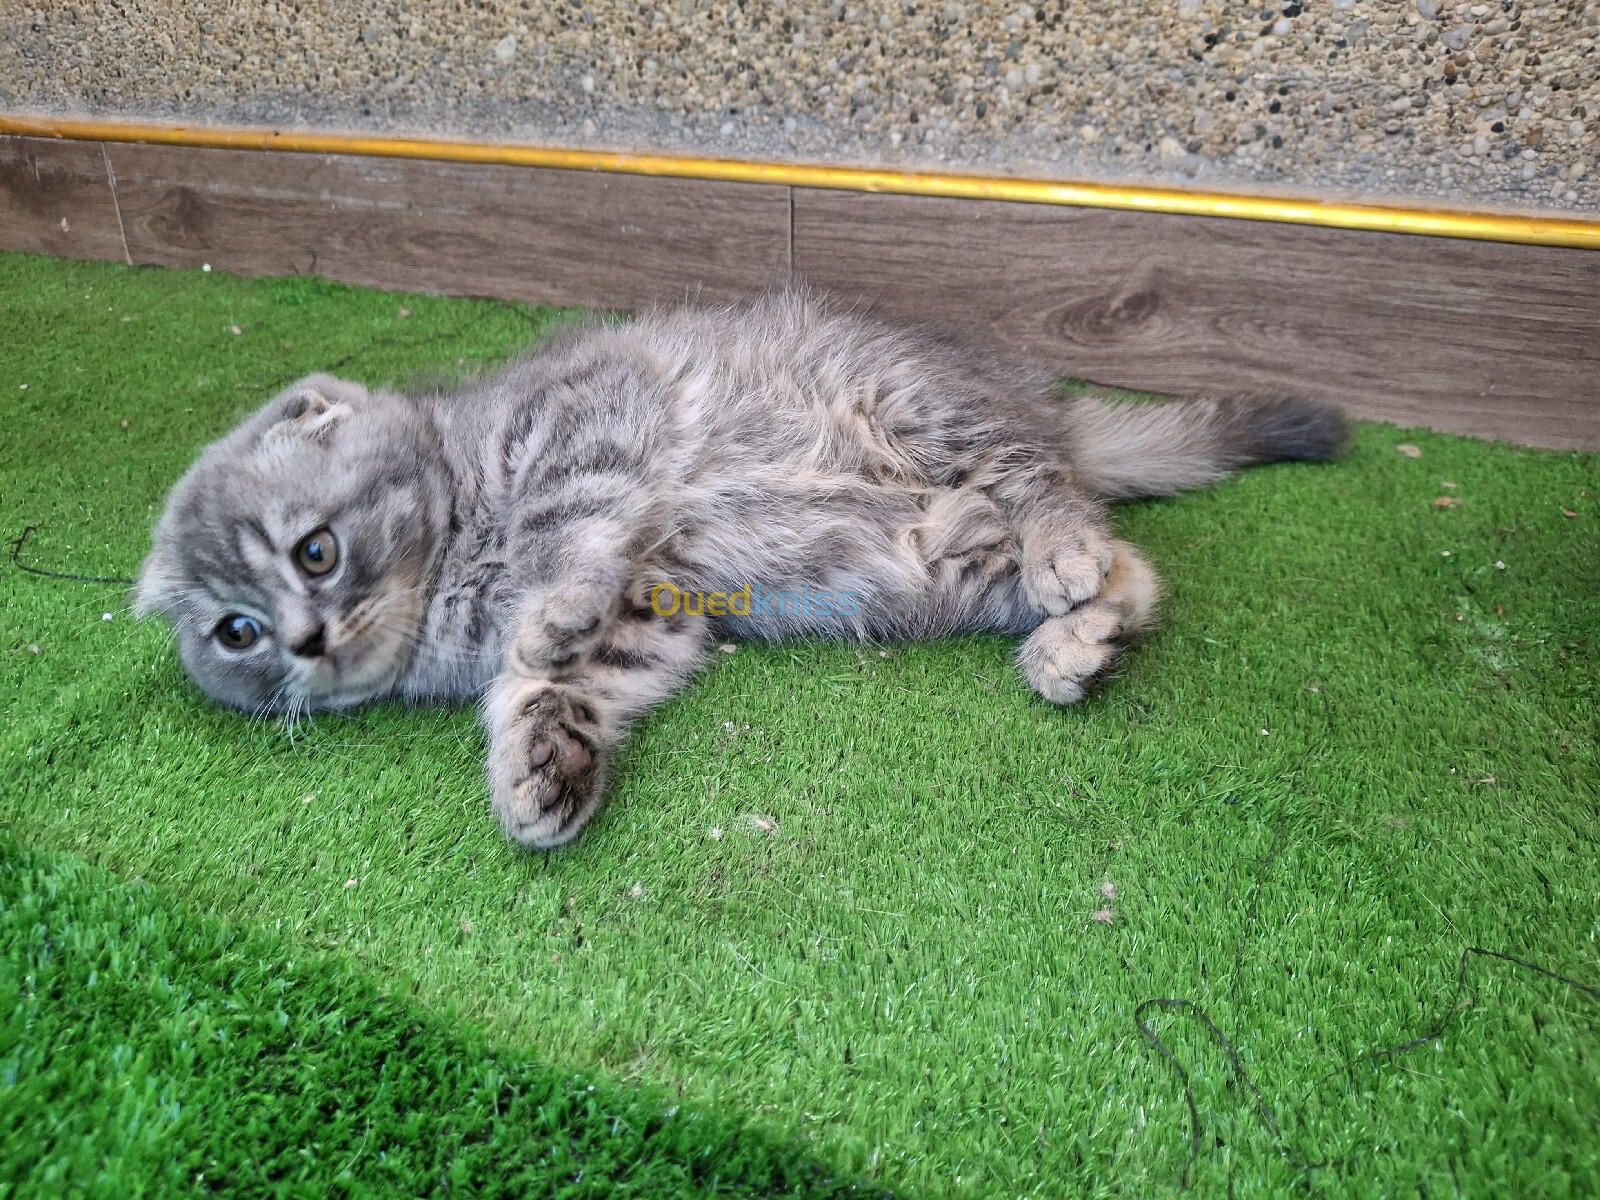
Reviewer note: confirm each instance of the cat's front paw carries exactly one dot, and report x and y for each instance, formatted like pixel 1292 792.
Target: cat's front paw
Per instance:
pixel 557 626
pixel 546 764
pixel 1063 570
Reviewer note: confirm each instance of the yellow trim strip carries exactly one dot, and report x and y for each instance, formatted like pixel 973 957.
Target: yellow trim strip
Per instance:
pixel 1488 227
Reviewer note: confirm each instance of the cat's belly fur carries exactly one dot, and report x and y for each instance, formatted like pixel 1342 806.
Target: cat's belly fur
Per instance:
pixel 830 482
pixel 908 562
pixel 831 479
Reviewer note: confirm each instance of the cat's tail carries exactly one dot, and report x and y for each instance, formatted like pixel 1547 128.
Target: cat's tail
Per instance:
pixel 1122 451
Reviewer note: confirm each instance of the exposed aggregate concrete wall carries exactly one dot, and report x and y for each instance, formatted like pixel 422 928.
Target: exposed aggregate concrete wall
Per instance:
pixel 1477 104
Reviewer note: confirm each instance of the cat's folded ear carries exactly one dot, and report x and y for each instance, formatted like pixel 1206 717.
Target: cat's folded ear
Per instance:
pixel 311 408
pixel 159 585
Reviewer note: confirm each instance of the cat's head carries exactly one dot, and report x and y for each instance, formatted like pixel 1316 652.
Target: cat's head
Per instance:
pixel 293 559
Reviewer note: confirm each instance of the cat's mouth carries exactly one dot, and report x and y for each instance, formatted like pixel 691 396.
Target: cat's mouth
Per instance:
pixel 362 661
pixel 352 673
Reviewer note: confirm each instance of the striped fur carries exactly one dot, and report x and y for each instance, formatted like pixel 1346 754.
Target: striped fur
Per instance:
pixel 500 541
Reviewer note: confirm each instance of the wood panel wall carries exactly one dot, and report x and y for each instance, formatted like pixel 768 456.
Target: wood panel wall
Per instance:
pixel 1479 338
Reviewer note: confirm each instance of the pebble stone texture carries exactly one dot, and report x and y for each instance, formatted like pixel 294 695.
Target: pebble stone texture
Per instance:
pixel 1463 103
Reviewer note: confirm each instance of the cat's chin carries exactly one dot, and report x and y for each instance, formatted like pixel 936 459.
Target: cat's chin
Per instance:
pixel 346 697
pixel 360 679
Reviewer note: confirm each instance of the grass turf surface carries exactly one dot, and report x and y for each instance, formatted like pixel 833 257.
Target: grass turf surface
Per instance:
pixel 1357 746
pixel 145 1051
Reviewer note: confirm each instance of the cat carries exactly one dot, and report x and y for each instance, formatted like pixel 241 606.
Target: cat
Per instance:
pixel 549 541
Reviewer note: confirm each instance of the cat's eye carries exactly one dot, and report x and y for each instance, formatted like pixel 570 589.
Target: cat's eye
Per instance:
pixel 317 553
pixel 238 632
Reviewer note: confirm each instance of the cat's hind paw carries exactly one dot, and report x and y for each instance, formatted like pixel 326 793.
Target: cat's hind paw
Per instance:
pixel 1064 570
pixel 1065 655
pixel 546 765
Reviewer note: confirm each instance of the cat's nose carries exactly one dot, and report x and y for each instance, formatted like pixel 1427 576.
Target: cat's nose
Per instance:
pixel 312 644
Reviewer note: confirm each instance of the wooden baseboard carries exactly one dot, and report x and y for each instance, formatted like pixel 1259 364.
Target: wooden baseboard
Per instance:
pixel 1481 338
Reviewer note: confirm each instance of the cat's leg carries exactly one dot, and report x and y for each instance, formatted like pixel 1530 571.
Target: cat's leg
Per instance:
pixel 553 728
pixel 571 595
pixel 572 540
pixel 1066 653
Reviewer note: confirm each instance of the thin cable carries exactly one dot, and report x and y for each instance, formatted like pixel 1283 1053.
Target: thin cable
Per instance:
pixel 17 543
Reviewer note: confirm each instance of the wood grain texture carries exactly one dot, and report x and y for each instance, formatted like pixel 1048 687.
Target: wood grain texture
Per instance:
pixel 554 237
pixel 55 198
pixel 1479 338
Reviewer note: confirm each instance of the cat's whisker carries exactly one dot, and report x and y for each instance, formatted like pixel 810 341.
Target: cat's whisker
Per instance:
pixel 266 705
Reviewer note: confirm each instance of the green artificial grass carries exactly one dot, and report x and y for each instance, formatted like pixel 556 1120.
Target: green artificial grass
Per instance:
pixel 844 903
pixel 145 1051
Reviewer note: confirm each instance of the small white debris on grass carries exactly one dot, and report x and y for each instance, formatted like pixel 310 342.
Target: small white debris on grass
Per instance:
pixel 1444 554
pixel 236 330
pixel 309 799
pixel 1498 565
pixel 106 617
pixel 637 891
pixel 404 313
pixel 33 649
pixel 1407 449
pixel 716 833
pixel 205 266
pixel 1108 890
pixel 1104 916
pixel 22 387
pixel 349 883
pixel 763 824
pixel 728 648
pixel 1266 733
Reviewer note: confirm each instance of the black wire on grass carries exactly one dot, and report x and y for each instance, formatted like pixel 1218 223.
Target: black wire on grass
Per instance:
pixel 17 543
pixel 1439 1028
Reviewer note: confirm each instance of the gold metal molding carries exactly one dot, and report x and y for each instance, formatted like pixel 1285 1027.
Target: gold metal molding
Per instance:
pixel 1377 218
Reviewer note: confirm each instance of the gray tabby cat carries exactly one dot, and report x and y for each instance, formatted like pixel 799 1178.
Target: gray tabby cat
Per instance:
pixel 512 541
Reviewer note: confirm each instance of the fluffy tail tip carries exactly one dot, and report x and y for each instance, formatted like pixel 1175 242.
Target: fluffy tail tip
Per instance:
pixel 1296 431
